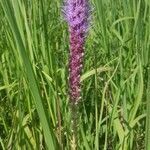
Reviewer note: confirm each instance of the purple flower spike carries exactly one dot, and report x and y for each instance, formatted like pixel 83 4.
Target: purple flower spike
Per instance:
pixel 77 14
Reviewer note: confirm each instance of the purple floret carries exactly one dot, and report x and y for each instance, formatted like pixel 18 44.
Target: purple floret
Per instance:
pixel 77 15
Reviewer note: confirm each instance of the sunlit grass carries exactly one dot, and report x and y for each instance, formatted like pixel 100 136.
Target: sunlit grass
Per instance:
pixel 34 109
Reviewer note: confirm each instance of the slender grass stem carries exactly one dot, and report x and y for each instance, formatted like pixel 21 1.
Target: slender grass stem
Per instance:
pixel 147 146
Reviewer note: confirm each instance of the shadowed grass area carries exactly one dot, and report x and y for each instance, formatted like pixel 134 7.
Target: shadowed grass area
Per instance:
pixel 34 109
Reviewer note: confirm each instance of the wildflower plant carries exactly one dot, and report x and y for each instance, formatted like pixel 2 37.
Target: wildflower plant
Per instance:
pixel 77 14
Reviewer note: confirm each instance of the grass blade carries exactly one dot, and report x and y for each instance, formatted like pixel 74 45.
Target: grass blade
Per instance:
pixel 7 7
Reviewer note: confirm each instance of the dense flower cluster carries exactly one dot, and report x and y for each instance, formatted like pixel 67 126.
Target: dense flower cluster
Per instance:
pixel 77 14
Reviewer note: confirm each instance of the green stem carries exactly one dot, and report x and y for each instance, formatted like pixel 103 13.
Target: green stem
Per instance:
pixel 148 113
pixel 74 125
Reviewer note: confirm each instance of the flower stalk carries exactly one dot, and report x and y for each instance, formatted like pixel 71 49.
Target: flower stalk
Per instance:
pixel 77 14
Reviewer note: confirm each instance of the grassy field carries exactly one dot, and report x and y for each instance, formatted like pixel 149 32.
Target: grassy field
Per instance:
pixel 34 50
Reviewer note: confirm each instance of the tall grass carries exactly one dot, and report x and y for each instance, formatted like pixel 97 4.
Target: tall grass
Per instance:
pixel 34 110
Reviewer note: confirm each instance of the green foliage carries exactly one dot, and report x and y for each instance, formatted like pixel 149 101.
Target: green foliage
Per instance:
pixel 34 47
